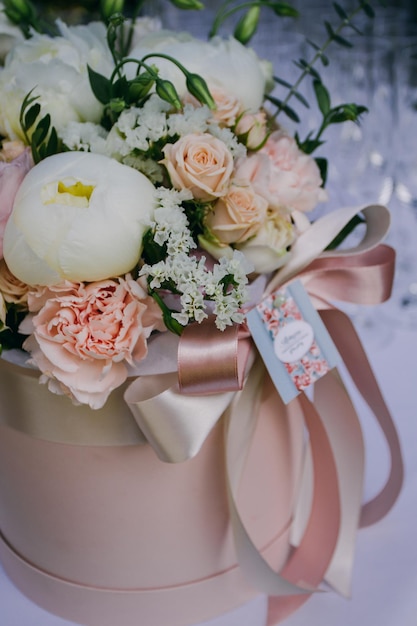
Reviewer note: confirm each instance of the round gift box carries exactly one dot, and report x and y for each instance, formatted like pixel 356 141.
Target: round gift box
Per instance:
pixel 95 528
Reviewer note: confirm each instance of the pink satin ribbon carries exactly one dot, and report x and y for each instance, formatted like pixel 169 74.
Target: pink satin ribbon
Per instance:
pixel 365 278
pixel 212 362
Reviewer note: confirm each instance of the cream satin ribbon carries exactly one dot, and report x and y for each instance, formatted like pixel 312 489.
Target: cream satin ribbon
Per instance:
pixel 338 561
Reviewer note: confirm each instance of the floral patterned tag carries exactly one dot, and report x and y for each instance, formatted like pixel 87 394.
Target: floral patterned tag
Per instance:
pixel 292 340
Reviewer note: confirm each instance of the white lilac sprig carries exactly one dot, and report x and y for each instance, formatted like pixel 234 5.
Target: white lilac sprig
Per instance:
pixel 199 290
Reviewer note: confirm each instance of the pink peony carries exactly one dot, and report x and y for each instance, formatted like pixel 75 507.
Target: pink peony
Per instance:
pixel 83 336
pixel 11 175
pixel 287 177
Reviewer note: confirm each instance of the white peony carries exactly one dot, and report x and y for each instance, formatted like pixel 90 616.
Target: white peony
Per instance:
pixel 77 216
pixel 56 68
pixel 224 64
pixel 9 33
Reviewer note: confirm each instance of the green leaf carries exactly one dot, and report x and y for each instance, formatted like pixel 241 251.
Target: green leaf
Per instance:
pixel 309 145
pixel 284 108
pixel 323 58
pixel 355 28
pixel 342 41
pixel 282 9
pixel 323 97
pixel 306 67
pixel 349 228
pixel 329 29
pixel 296 94
pixel 31 115
pixel 52 147
pixel 120 88
pixel 41 131
pixel 322 165
pixel 367 9
pixel 341 12
pixel 100 85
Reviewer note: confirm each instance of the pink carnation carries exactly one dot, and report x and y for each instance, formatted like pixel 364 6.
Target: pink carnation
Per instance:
pixel 83 336
pixel 287 177
pixel 11 175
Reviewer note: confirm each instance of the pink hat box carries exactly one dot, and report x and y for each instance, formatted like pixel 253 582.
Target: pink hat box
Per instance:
pixel 96 529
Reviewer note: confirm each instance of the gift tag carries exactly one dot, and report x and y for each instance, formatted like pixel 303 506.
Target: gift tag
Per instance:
pixel 292 340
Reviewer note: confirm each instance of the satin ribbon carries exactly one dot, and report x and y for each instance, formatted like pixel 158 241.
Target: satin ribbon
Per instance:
pixel 362 274
pixel 209 361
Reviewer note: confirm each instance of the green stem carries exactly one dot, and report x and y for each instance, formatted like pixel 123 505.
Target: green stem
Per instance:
pixel 135 14
pixel 315 58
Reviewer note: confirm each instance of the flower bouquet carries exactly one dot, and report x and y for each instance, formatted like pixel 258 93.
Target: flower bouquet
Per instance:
pixel 166 310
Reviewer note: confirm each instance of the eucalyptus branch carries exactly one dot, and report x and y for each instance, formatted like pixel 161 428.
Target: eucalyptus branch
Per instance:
pixel 333 35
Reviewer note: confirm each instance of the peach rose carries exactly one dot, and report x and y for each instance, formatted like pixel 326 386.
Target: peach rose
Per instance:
pixel 252 129
pixel 11 175
pixel 238 215
pixel 13 290
pixel 287 177
pixel 228 106
pixel 201 163
pixel 84 335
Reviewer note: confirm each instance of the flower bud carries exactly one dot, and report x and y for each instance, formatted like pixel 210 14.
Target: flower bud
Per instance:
pixel 19 10
pixel 109 7
pixel 197 87
pixel 166 91
pixel 252 130
pixel 247 26
pixel 188 5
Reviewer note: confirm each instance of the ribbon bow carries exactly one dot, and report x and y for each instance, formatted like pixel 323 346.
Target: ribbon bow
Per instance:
pixel 220 374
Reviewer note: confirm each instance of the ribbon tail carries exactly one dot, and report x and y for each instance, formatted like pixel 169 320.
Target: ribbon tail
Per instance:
pixel 344 430
pixel 255 568
pixel 348 343
pixel 174 424
pixel 307 564
pixel 310 560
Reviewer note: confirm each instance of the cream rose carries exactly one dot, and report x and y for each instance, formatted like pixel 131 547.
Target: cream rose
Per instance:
pixel 56 67
pixel 224 64
pixel 84 336
pixel 238 215
pixel 77 216
pixel 201 163
pixel 270 248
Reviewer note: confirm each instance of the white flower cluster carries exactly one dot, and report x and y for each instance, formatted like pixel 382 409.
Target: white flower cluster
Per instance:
pixel 224 285
pixel 137 129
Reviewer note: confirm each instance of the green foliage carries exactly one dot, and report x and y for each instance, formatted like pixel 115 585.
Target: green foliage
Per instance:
pixel 39 133
pixel 248 23
pixel 188 5
pixel 24 14
pixel 118 92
